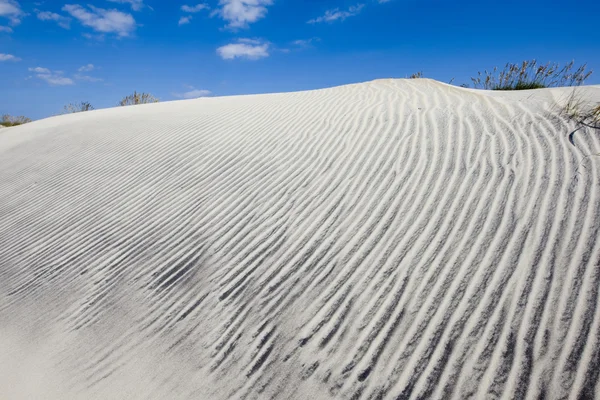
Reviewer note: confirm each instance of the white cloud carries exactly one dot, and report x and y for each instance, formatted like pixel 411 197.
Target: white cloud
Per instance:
pixel 63 22
pixel 336 14
pixel 57 78
pixel 86 78
pixel 301 42
pixel 89 36
pixel 86 68
pixel 250 41
pixel 194 9
pixel 54 78
pixel 136 5
pixel 185 20
pixel 305 42
pixel 60 81
pixel 39 70
pixel 191 9
pixel 12 10
pixel 8 57
pixel 240 13
pixel 245 48
pixel 193 93
pixel 101 20
pixel 5 29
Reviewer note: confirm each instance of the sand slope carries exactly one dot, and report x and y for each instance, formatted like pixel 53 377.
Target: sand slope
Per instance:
pixel 392 239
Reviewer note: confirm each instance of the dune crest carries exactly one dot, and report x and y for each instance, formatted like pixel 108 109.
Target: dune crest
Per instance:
pixel 391 239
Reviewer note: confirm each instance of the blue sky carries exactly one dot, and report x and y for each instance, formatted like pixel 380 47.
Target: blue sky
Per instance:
pixel 56 52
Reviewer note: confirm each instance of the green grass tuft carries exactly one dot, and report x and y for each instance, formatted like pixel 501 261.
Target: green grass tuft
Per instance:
pixel 9 120
pixel 531 75
pixel 521 86
pixel 138 98
pixel 72 108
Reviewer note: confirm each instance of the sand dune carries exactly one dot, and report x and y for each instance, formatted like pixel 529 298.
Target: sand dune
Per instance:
pixel 392 239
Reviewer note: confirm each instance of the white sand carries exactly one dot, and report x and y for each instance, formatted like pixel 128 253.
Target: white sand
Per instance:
pixel 392 239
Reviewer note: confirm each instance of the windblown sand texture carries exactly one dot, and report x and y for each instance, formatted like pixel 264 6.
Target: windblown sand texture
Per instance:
pixel 387 240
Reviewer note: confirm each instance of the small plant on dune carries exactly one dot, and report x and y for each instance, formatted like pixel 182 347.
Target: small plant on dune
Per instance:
pixel 583 113
pixel 77 107
pixel 9 120
pixel 531 75
pixel 138 98
pixel 595 115
pixel 578 109
pixel 416 75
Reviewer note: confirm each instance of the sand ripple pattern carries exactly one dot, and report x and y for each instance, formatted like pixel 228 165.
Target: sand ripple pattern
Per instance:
pixel 398 239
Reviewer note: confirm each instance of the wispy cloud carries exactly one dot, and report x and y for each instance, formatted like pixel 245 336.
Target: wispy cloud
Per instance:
pixel 240 13
pixel 136 5
pixel 251 49
pixel 63 22
pixel 193 93
pixel 86 78
pixel 12 10
pixel 39 70
pixel 99 37
pixel 101 20
pixel 5 29
pixel 185 20
pixel 54 78
pixel 304 43
pixel 86 68
pixel 8 57
pixel 191 10
pixel 194 9
pixel 81 76
pixel 338 15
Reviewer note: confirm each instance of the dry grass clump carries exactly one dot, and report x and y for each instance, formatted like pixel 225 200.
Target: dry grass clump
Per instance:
pixel 138 98
pixel 416 75
pixel 531 75
pixel 78 107
pixel 9 120
pixel 595 115
pixel 583 113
